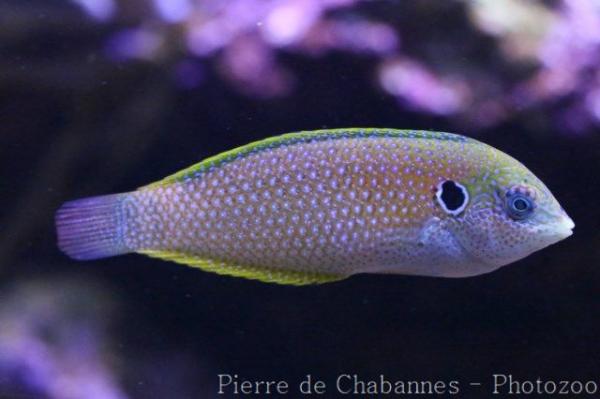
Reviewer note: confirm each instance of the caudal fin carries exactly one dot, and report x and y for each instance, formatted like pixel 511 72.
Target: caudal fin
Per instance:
pixel 91 228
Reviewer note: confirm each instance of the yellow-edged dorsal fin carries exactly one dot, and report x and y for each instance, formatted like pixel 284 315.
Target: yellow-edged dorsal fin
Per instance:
pixel 296 138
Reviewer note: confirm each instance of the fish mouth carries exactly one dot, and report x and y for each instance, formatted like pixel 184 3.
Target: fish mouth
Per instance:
pixel 560 230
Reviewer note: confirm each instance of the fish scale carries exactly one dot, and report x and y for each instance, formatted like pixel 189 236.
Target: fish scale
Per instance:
pixel 296 207
pixel 302 208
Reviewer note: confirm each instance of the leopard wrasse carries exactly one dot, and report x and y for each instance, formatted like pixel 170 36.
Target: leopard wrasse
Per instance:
pixel 319 206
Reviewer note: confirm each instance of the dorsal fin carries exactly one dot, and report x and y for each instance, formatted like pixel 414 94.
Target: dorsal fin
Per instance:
pixel 268 275
pixel 300 137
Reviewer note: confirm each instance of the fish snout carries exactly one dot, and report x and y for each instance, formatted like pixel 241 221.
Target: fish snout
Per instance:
pixel 562 229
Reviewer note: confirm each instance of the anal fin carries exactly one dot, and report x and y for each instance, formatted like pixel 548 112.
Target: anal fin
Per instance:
pixel 268 275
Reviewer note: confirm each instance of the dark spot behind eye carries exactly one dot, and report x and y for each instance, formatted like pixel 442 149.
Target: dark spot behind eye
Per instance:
pixel 452 195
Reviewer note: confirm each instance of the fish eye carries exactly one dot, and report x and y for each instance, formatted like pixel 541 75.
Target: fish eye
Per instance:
pixel 519 206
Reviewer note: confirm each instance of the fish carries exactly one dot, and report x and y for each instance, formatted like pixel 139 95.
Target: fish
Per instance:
pixel 319 206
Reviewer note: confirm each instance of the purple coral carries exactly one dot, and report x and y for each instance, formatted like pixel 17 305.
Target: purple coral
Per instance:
pixel 245 38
